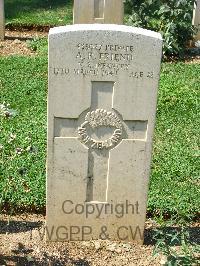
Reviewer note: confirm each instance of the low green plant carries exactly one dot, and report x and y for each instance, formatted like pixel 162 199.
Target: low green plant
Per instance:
pixel 33 44
pixel 176 247
pixel 38 45
pixel 173 19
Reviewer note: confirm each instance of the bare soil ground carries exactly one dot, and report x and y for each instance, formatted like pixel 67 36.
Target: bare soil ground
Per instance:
pixel 22 243
pixel 15 42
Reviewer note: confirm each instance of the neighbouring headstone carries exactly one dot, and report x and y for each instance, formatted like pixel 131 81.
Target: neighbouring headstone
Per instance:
pixel 2 20
pixel 103 82
pixel 196 19
pixel 98 11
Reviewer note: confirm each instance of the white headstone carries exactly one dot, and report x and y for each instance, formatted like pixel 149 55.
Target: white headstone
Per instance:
pixel 196 19
pixel 103 82
pixel 98 11
pixel 2 20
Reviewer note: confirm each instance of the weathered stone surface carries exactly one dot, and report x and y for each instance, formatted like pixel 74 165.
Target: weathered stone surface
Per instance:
pixel 196 19
pixel 103 82
pixel 2 20
pixel 98 11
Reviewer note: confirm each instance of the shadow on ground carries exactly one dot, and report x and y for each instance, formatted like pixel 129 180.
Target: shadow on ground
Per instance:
pixel 46 261
pixel 18 226
pixel 19 38
pixel 149 235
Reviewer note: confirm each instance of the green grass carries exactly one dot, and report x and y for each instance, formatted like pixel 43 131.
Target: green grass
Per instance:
pixel 38 12
pixel 176 161
pixel 176 166
pixel 23 84
pixel 41 13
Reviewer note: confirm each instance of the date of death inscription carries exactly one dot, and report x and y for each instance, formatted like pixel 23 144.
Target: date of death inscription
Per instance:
pixel 103 60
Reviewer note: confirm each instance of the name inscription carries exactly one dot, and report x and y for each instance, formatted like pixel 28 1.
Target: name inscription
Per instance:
pixel 104 60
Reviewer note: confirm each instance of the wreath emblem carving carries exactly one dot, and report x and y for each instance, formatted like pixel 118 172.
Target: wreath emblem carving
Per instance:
pixel 98 118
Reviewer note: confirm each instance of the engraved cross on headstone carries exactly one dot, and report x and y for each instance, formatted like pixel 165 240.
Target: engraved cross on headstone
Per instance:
pixel 100 129
pixel 98 11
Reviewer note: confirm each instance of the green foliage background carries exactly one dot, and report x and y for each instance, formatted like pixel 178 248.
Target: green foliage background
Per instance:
pixel 172 18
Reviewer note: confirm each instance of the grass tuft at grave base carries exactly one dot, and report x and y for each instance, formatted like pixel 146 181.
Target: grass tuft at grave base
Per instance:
pixel 174 186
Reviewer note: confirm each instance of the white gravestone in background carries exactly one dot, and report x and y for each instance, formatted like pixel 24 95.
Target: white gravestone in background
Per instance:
pixel 196 19
pixel 2 20
pixel 103 82
pixel 98 11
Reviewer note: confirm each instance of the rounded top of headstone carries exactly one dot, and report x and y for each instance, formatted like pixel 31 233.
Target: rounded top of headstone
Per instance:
pixel 105 27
